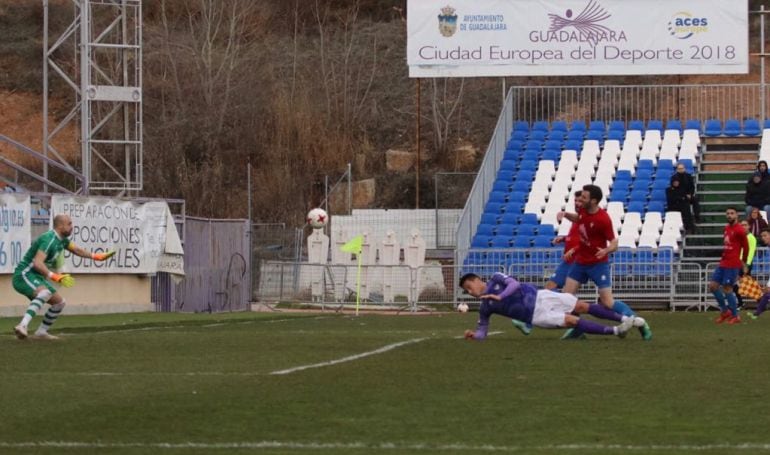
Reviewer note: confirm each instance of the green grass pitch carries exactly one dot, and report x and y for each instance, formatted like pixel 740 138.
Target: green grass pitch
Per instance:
pixel 200 384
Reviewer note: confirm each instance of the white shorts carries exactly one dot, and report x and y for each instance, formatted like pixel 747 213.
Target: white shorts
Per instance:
pixel 550 308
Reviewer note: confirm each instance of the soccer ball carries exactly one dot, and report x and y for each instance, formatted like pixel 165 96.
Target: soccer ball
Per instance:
pixel 462 307
pixel 317 218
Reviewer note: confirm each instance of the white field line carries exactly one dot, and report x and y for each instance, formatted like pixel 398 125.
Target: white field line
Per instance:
pixel 387 446
pixel 349 358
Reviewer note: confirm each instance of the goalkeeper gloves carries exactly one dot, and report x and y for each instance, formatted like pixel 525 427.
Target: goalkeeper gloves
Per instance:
pixel 102 256
pixel 65 279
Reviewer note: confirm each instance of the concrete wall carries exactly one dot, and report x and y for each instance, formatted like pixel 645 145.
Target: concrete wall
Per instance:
pixel 92 294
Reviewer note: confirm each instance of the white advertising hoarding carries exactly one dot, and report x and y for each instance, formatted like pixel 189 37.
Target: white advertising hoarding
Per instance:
pixel 466 38
pixel 142 234
pixel 15 230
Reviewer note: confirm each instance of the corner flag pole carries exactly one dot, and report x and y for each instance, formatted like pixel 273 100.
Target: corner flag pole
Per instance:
pixel 354 246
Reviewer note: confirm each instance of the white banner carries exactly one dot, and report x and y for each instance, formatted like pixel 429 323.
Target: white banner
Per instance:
pixel 467 38
pixel 143 235
pixel 15 230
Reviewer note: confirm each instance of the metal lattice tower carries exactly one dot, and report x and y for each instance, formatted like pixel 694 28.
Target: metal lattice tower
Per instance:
pixel 105 86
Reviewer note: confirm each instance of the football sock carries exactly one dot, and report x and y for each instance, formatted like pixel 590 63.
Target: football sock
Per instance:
pixel 602 312
pixel 586 326
pixel 620 307
pixel 34 306
pixel 50 317
pixel 732 302
pixel 762 304
pixel 720 296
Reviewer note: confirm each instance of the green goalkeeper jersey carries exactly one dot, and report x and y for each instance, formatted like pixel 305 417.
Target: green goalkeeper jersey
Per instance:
pixel 50 243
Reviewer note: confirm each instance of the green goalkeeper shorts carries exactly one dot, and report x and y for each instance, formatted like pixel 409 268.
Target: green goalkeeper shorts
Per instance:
pixel 27 284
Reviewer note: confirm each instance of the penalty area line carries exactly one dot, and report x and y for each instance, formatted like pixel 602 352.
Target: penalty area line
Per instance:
pixel 385 446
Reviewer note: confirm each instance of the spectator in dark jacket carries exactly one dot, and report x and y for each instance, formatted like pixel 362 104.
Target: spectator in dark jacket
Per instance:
pixel 762 169
pixel 688 184
pixel 756 222
pixel 757 193
pixel 676 198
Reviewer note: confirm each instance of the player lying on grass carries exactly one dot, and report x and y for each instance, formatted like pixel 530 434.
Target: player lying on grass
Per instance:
pixel 547 309
pixel 29 278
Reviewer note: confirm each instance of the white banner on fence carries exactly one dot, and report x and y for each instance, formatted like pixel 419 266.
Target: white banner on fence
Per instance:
pixel 142 234
pixel 466 38
pixel 15 230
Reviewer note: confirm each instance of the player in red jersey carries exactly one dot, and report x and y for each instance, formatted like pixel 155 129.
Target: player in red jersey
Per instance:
pixel 571 242
pixel 734 256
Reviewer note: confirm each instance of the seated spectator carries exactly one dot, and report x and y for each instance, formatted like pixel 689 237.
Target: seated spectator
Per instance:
pixel 756 222
pixel 676 199
pixel 757 193
pixel 762 169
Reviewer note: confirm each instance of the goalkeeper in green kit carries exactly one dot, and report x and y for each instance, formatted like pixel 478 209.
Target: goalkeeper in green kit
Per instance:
pixel 33 272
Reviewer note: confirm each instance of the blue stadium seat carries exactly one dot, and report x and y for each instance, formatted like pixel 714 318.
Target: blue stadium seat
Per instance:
pixel 517 196
pixel 597 125
pixel 578 125
pixel 490 218
pixel 644 174
pixel 657 205
pixel 674 124
pixel 543 241
pixel 573 144
pixel 521 125
pixel 526 229
pixel 522 186
pixel 645 164
pixel 530 165
pixel 540 125
pixel 505 230
pixel 493 207
pixel 664 173
pixel 636 206
pixel 666 164
pixel 622 185
pixel 638 196
pixel 525 175
pixel 644 262
pixel 537 135
pixel 655 124
pixel 636 125
pixel 522 241
pixel 621 261
pixel 596 136
pixel 553 145
pixel 660 185
pixel 623 175
pixel 501 185
pixel 512 212
pixel 532 155
pixel 498 196
pixel 559 125
pixel 529 218
pixel 575 135
pixel 619 195
pixel 552 155
pixel 480 241
pixel 505 175
pixel 693 124
pixel 512 155
pixel 509 165
pixel 616 135
pixel 642 183
pixel 516 144
pixel 510 218
pixel 501 241
pixel 732 127
pixel 664 261
pixel 556 135
pixel 486 229
pixel 618 125
pixel 713 127
pixel 546 230
pixel 513 208
pixel 534 144
pixel 520 136
pixel 751 127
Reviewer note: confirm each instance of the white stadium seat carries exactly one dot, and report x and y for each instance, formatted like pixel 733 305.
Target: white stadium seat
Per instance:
pixel 672 137
pixel 652 137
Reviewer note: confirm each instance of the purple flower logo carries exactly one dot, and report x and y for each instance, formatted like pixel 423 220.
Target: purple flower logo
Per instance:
pixel 586 23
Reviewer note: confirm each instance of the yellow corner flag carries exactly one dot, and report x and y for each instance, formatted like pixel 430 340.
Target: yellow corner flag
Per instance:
pixel 354 245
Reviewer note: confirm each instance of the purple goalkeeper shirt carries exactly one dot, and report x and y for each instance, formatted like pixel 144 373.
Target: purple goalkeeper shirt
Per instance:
pixel 517 301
